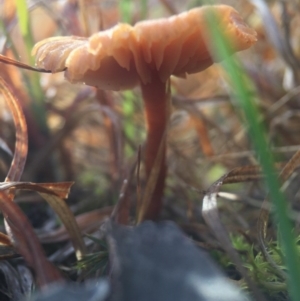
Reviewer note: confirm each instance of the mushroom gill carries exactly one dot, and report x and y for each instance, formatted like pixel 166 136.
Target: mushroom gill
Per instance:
pixel 118 58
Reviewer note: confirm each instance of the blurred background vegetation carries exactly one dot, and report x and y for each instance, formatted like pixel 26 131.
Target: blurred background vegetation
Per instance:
pixel 91 137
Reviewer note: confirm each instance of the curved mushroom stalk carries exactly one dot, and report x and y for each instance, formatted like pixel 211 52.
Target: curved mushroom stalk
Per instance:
pixel 149 53
pixel 156 103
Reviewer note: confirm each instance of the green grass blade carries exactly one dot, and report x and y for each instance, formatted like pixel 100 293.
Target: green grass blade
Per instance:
pixel 126 10
pixel 23 17
pixel 245 101
pixel 33 79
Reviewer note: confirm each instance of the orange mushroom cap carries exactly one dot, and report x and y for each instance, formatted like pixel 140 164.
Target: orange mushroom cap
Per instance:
pixel 124 55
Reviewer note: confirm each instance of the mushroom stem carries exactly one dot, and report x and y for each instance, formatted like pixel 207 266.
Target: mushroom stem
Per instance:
pixel 156 105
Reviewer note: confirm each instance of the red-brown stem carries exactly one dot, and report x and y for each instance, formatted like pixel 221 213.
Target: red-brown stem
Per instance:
pixel 156 104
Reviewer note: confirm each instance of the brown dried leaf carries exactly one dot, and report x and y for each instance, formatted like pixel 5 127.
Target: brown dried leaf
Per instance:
pixel 290 167
pixel 245 174
pixel 87 223
pixel 242 174
pixel 54 193
pixel 21 145
pixel 60 190
pixel 27 242
pixel 68 219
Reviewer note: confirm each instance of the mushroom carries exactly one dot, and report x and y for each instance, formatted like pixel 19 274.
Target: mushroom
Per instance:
pixel 147 53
